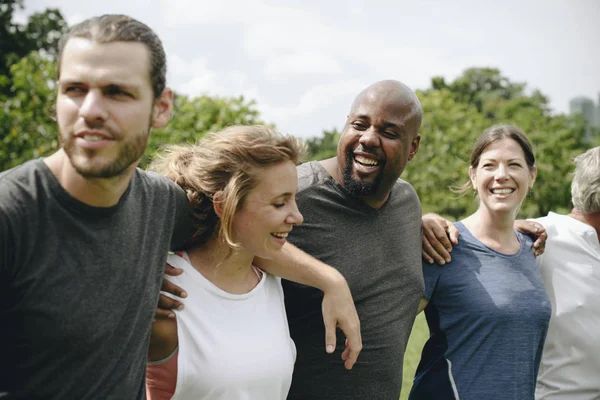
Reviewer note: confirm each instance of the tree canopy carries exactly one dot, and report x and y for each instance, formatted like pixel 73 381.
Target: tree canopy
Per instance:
pixel 456 113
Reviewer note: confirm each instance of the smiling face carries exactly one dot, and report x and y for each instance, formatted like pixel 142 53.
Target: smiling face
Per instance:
pixel 269 211
pixel 379 138
pixel 105 105
pixel 502 178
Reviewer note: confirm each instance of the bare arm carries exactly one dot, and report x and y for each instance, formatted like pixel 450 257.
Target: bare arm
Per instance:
pixel 163 340
pixel 338 307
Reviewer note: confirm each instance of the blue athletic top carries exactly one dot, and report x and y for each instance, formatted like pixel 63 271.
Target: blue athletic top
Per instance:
pixel 488 314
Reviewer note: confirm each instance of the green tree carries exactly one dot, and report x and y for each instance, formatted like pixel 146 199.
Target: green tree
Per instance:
pixel 320 148
pixel 455 114
pixel 27 129
pixel 448 132
pixel 41 33
pixel 193 117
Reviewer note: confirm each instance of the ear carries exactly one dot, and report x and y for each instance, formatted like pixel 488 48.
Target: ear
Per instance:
pixel 533 175
pixel 162 109
pixel 218 200
pixel 414 147
pixel 472 178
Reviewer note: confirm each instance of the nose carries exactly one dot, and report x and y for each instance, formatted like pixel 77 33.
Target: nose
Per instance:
pixel 93 108
pixel 294 217
pixel 501 172
pixel 369 138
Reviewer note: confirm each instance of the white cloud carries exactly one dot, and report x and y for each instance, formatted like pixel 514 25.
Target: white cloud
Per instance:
pixel 306 63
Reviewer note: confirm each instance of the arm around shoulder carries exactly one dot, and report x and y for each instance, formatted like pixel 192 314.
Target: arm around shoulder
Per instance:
pixel 338 306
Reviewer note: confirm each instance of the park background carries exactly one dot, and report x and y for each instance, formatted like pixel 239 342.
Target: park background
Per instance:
pixel 460 96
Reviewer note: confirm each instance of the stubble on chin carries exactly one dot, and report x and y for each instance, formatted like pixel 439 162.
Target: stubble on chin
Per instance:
pixel 354 186
pixel 83 160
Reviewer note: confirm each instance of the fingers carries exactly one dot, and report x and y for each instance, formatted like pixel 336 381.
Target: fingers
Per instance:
pixel 539 246
pixel 453 234
pixel 168 304
pixel 438 236
pixel 424 254
pixel 330 337
pixel 170 287
pixel 161 313
pixel 172 271
pixel 536 231
pixel 353 348
pixel 434 249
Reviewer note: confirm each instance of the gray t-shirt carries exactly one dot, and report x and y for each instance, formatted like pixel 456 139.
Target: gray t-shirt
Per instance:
pixel 79 284
pixel 488 314
pixel 379 253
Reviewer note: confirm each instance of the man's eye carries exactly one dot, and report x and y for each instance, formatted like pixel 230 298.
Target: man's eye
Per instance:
pixel 359 125
pixel 114 91
pixel 278 205
pixel 73 89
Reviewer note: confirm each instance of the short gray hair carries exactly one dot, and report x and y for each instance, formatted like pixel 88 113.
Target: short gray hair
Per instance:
pixel 585 188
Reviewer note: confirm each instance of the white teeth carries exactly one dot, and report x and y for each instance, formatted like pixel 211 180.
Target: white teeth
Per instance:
pixel 92 138
pixel 367 161
pixel 502 191
pixel 281 235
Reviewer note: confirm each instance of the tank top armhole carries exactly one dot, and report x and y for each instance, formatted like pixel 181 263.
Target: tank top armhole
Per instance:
pixel 161 377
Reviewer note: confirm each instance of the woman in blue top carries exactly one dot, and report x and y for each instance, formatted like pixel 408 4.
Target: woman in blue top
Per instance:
pixel 487 310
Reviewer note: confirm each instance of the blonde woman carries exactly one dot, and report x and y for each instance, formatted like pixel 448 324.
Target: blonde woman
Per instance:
pixel 232 340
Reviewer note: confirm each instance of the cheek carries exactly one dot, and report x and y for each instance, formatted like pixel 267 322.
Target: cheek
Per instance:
pixel 66 110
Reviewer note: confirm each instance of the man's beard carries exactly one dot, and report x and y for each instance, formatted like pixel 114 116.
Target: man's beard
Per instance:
pixel 128 154
pixel 354 186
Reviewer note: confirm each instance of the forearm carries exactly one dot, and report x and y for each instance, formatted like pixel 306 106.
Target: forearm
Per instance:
pixel 297 266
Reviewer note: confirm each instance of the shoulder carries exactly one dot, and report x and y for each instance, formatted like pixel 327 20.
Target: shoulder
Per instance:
pixel 310 174
pixel 403 196
pixel 158 184
pixel 153 179
pixel 405 190
pixel 21 176
pixel 20 186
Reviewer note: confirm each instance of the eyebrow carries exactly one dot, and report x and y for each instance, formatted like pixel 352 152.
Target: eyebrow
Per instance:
pixel 285 195
pixel 385 125
pixel 509 160
pixel 129 86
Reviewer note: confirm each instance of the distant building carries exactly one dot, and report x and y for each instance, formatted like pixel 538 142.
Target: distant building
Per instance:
pixel 590 112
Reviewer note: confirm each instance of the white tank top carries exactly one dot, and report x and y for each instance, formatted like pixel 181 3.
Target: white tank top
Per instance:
pixel 232 346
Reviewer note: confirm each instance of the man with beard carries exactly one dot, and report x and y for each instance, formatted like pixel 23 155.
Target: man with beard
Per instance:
pixel 360 217
pixel 84 234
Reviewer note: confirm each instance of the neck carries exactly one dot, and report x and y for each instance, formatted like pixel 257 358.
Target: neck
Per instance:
pixel 592 220
pixel 495 230
pixel 96 192
pixel 232 274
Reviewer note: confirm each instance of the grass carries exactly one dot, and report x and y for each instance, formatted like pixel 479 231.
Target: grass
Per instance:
pixel 418 337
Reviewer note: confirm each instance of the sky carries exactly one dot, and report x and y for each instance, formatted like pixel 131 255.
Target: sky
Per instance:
pixel 304 61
